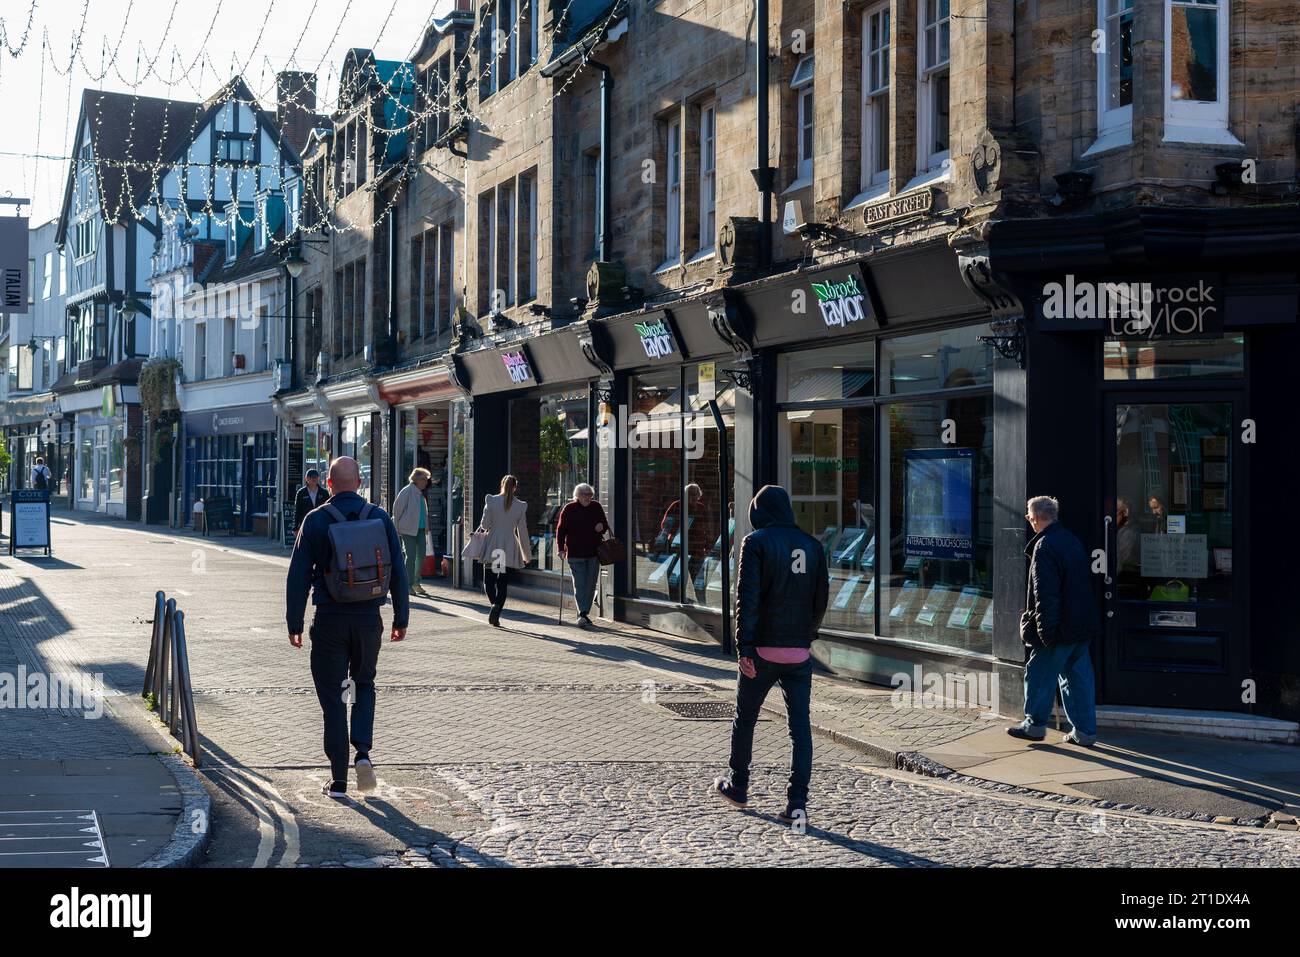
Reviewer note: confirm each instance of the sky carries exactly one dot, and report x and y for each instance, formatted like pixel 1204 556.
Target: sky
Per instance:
pixel 167 48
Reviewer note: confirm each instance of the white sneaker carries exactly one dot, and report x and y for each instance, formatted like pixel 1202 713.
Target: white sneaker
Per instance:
pixel 366 776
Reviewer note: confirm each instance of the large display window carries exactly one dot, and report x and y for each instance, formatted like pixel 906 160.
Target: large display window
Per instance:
pixel 356 440
pixel 893 473
pixel 550 445
pixel 677 484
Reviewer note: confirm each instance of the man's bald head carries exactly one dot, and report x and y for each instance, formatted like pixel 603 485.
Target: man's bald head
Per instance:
pixel 345 475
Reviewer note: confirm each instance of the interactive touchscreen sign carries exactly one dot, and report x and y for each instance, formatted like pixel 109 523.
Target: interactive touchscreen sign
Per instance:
pixel 939 519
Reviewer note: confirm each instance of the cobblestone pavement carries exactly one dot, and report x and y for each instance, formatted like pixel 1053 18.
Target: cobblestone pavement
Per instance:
pixel 531 744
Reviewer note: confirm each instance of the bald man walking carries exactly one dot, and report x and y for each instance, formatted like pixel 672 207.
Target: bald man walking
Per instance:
pixel 345 636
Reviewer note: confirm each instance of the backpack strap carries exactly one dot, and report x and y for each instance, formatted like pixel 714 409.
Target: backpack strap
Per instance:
pixel 333 512
pixel 365 512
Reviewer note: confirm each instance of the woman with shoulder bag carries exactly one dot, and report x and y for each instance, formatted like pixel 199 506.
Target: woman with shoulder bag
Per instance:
pixel 581 528
pixel 505 520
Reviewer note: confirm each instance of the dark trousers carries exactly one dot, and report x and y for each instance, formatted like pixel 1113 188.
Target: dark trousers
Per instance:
pixel 346 647
pixel 495 585
pixel 796 688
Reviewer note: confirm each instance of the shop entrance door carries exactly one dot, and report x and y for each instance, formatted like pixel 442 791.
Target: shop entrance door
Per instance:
pixel 1175 616
pixel 101 468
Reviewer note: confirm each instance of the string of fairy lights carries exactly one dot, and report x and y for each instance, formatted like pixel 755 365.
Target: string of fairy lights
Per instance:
pixel 359 93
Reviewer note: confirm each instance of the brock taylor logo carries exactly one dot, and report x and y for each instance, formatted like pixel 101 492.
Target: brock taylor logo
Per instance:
pixel 841 302
pixel 517 366
pixel 656 339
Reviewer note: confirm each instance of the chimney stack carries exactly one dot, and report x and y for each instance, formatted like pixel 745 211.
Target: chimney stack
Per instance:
pixel 295 97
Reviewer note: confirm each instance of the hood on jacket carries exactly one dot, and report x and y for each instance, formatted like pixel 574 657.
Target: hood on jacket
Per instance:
pixel 771 506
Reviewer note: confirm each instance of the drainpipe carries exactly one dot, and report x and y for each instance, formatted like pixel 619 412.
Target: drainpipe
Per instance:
pixel 606 207
pixel 763 174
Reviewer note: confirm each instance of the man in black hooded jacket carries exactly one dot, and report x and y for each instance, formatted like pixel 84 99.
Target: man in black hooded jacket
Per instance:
pixel 781 594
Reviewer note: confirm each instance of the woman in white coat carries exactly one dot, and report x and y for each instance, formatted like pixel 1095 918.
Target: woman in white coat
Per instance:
pixel 505 519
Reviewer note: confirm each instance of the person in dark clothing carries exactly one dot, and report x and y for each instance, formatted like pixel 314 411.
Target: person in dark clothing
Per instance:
pixel 1059 626
pixel 310 496
pixel 781 594
pixel 578 534
pixel 345 637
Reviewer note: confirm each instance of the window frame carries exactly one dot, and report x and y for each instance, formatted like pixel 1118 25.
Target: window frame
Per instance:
pixel 708 176
pixel 672 190
pixel 805 109
pixel 875 97
pixel 1198 121
pixel 929 160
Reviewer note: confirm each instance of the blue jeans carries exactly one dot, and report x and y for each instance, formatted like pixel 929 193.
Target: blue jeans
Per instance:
pixel 796 688
pixel 342 647
pixel 1068 667
pixel 586 573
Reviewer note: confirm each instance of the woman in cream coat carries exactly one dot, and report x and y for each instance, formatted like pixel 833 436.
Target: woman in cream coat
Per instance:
pixel 505 519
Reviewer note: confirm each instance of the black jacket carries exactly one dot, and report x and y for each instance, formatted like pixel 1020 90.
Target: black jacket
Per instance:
pixel 311 557
pixel 782 586
pixel 302 504
pixel 1060 587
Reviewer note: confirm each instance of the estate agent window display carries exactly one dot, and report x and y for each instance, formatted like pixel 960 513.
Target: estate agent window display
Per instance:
pixel 887 450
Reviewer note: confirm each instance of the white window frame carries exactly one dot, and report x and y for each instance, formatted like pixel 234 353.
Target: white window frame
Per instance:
pixel 1114 126
pixel 708 175
pixel 805 106
pixel 673 193
pixel 929 160
pixel 1194 121
pixel 876 95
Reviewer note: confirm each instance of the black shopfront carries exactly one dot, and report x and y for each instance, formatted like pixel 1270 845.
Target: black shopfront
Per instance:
pixel 1159 348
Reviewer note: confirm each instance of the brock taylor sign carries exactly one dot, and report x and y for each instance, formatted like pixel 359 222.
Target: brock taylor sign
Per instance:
pixel 842 303
pixel 656 339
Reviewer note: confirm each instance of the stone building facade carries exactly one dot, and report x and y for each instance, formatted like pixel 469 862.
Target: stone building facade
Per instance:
pixel 575 235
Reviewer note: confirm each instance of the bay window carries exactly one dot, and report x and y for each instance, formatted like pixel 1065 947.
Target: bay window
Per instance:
pixel 1196 71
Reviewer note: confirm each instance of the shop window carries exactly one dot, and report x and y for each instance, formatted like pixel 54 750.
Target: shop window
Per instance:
pixel 875 97
pixel 550 445
pixel 827 375
pixel 931 361
pixel 1196 71
pixel 937 517
pixel 86 467
pixel 657 485
pixel 1142 359
pixel 1173 483
pixel 264 472
pixel 932 112
pixel 356 440
pixel 676 486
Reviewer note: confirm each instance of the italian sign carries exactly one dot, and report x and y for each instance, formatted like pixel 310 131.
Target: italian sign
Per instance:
pixel 14 265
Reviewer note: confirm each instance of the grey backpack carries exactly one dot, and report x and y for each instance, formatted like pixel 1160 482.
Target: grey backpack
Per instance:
pixel 362 565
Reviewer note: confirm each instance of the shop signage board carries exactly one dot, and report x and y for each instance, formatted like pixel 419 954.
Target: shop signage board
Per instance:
pixel 1135 307
pixel 219 514
pixel 240 420
pixel 14 266
pixel 29 520
pixel 916 203
pixel 518 367
pixel 657 339
pixel 939 507
pixel 289 534
pixel 1176 556
pixel 822 305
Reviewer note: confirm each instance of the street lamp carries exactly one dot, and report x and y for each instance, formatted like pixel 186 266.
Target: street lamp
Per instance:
pixel 294 264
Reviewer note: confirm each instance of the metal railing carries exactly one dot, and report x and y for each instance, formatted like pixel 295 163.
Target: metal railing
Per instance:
pixel 167 676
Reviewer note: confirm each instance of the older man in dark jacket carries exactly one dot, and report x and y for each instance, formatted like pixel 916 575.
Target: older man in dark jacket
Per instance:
pixel 1058 627
pixel 781 595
